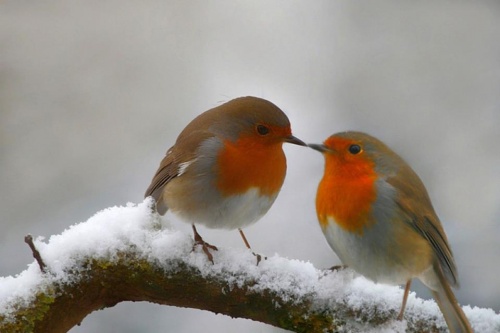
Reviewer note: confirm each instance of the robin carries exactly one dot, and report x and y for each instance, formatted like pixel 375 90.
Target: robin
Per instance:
pixel 378 218
pixel 226 168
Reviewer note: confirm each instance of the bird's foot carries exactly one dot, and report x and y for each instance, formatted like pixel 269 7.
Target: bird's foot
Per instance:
pixel 204 245
pixel 259 257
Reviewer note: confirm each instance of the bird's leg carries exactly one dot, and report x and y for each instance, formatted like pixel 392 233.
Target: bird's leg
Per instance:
pixel 204 245
pixel 405 298
pixel 259 257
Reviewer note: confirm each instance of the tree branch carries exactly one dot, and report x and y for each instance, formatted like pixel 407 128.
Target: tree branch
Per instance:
pixel 28 239
pixel 158 266
pixel 104 284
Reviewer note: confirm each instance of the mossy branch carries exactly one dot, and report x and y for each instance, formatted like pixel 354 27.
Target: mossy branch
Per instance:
pixel 127 254
pixel 102 284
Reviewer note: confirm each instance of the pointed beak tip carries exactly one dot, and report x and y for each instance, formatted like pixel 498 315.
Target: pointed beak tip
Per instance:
pixel 319 147
pixel 296 141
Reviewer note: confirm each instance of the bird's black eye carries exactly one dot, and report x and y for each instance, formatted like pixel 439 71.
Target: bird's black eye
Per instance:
pixel 354 149
pixel 262 130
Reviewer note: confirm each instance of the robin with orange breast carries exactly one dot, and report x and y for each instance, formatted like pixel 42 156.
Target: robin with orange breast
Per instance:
pixel 378 218
pixel 226 168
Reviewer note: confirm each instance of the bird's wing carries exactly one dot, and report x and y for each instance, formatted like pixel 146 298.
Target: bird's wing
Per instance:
pixel 167 171
pixel 416 205
pixel 174 164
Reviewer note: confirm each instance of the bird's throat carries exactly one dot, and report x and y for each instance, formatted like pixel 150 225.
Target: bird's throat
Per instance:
pixel 244 165
pixel 346 194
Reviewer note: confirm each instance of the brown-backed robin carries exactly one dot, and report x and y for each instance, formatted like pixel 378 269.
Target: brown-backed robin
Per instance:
pixel 226 168
pixel 377 216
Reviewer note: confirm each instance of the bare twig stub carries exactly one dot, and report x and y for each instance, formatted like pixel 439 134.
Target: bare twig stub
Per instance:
pixel 29 240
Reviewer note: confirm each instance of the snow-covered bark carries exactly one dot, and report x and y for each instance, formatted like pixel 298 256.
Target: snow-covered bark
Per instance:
pixel 124 254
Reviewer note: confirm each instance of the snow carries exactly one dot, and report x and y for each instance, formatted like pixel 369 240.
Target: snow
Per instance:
pixel 137 227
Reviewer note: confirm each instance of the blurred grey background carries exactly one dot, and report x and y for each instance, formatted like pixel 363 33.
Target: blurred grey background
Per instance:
pixel 92 94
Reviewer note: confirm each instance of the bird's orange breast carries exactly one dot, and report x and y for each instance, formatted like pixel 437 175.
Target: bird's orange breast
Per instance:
pixel 346 194
pixel 249 163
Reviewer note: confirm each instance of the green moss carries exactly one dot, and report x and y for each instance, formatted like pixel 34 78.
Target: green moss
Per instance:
pixel 27 317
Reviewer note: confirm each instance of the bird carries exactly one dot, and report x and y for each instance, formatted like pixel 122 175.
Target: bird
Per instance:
pixel 226 167
pixel 377 216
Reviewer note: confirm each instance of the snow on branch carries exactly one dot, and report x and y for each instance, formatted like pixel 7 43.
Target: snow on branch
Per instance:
pixel 123 254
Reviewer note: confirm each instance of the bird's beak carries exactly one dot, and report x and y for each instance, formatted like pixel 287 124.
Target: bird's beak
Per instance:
pixel 295 141
pixel 320 147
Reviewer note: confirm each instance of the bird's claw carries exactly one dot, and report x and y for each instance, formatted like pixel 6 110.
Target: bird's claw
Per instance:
pixel 259 257
pixel 205 247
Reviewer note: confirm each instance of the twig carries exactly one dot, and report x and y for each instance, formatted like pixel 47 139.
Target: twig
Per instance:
pixel 29 240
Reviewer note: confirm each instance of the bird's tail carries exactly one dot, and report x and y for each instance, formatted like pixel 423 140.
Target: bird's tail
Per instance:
pixel 453 314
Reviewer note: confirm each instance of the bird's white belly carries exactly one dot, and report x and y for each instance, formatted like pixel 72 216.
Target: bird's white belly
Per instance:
pixel 236 211
pixel 368 254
